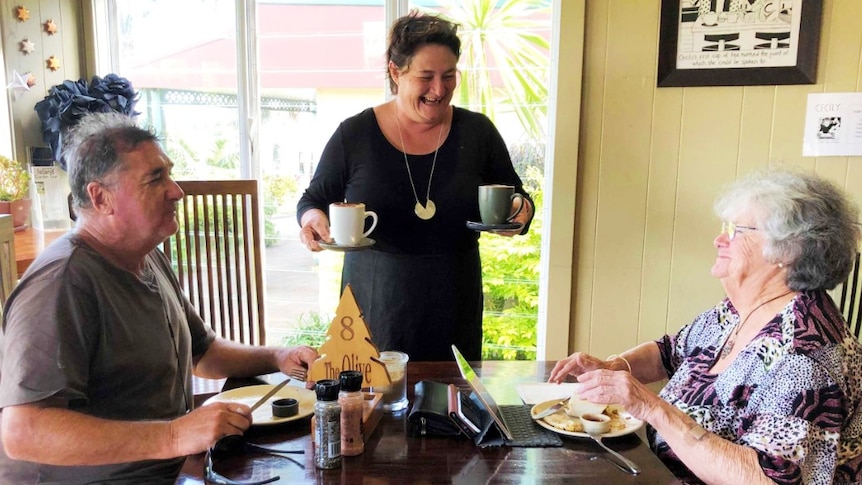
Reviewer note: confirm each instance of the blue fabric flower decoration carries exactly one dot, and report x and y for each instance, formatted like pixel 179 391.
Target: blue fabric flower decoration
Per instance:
pixel 66 103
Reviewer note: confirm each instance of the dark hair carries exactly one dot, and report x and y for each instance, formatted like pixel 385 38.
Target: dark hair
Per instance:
pixel 95 147
pixel 414 30
pixel 811 226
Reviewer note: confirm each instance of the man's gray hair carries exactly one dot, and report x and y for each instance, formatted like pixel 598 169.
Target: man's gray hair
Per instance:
pixel 94 149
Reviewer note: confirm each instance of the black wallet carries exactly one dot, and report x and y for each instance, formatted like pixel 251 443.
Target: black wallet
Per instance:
pixel 443 410
pixel 430 412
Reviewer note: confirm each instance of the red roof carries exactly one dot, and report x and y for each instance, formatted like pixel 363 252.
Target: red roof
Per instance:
pixel 300 47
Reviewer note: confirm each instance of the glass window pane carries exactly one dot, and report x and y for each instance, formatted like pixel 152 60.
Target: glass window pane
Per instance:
pixel 329 58
pixel 187 79
pixel 319 63
pixel 505 58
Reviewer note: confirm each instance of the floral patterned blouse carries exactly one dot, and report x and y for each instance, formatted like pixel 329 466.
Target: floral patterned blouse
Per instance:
pixel 792 394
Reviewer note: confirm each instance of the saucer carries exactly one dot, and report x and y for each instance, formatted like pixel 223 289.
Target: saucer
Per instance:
pixel 363 244
pixel 478 226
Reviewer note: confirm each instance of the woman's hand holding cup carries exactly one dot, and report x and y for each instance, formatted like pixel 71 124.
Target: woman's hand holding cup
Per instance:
pixel 314 228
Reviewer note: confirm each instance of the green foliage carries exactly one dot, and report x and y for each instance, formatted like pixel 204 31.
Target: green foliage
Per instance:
pixel 276 191
pixel 216 162
pixel 504 32
pixel 14 180
pixel 221 163
pixel 310 329
pixel 510 275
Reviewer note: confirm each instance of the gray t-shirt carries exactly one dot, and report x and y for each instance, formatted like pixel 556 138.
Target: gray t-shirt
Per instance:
pixel 83 332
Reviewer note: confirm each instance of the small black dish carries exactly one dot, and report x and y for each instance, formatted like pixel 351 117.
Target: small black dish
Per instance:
pixel 285 408
pixel 479 227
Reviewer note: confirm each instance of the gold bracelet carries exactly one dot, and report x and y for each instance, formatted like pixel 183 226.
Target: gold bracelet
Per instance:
pixel 615 356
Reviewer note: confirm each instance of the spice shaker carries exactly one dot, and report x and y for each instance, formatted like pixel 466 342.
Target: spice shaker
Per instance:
pixel 351 401
pixel 327 427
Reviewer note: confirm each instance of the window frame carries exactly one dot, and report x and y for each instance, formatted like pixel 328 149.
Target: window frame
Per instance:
pixel 555 280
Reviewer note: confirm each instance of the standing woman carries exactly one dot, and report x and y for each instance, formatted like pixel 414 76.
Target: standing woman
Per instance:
pixel 417 162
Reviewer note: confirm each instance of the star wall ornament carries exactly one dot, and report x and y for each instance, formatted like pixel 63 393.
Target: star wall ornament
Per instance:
pixel 18 85
pixel 51 27
pixel 31 79
pixel 22 14
pixel 53 63
pixel 27 46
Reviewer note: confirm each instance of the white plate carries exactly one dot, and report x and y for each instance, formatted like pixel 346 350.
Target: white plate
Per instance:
pixel 363 244
pixel 632 424
pixel 262 416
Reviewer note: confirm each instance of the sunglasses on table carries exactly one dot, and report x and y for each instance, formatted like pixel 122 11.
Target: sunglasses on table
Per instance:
pixel 732 229
pixel 234 445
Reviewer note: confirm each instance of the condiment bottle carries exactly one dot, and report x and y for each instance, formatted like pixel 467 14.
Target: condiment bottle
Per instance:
pixel 351 401
pixel 327 425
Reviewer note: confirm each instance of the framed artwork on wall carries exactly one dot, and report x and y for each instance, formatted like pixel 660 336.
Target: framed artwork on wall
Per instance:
pixel 738 42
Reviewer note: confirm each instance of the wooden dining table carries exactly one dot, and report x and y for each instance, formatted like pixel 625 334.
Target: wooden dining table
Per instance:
pixel 395 453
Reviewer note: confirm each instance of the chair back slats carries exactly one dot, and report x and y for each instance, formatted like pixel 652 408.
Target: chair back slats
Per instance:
pixel 851 299
pixel 8 264
pixel 217 253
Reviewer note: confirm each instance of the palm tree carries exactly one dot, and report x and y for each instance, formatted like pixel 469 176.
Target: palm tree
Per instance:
pixel 500 43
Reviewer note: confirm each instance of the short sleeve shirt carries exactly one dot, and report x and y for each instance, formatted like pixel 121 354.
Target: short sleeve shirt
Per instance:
pixel 104 342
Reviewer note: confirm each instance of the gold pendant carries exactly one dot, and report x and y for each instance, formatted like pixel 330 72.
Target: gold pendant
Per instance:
pixel 426 211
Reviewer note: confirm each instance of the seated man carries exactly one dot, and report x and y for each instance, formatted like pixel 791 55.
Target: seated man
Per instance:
pixel 99 343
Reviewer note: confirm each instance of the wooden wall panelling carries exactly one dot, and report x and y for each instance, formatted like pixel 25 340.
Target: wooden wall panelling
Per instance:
pixel 840 61
pixel 624 174
pixel 65 45
pixel 755 128
pixel 592 108
pixel 661 205
pixel 708 156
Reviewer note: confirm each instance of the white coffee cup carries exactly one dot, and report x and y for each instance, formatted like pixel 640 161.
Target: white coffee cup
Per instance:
pixel 347 222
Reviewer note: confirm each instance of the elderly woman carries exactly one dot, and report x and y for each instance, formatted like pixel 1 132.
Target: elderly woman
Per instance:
pixel 765 386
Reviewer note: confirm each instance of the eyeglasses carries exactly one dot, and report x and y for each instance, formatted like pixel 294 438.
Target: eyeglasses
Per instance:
pixel 418 27
pixel 232 445
pixel 732 229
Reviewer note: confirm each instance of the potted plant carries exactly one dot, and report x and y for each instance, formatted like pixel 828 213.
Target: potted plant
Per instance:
pixel 14 186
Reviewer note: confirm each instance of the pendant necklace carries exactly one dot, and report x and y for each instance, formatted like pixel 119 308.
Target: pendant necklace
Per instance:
pixel 728 346
pixel 428 210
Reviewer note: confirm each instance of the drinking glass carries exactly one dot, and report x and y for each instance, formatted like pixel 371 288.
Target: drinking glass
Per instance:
pixel 395 394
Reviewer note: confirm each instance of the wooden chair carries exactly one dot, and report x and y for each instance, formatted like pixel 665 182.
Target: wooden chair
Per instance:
pixel 851 299
pixel 217 255
pixel 8 265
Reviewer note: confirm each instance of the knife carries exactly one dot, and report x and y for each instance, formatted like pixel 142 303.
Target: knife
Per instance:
pixel 269 394
pixel 551 410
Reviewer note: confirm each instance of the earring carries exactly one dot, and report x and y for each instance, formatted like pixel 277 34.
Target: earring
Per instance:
pixel 780 265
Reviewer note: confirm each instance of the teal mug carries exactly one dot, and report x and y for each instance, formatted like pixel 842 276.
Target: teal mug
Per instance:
pixel 495 204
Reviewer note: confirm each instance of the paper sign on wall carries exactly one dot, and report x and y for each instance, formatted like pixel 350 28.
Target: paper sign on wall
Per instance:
pixel 833 125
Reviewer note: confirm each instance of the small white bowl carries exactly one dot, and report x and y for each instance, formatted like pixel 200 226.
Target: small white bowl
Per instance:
pixel 596 423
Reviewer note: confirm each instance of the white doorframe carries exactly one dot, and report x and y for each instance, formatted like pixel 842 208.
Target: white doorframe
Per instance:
pixel 556 272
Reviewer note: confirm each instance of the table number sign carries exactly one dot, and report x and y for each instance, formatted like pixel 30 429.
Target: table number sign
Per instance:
pixel 348 346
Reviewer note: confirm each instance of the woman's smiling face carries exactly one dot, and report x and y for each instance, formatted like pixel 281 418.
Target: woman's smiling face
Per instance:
pixel 741 257
pixel 426 85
